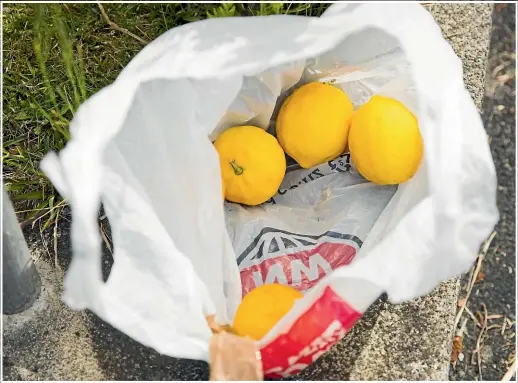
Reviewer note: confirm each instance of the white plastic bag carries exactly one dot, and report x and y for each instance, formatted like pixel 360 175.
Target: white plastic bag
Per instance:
pixel 142 147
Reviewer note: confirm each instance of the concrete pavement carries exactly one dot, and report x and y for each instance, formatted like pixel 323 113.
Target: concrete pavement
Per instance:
pixel 405 341
pixel 498 289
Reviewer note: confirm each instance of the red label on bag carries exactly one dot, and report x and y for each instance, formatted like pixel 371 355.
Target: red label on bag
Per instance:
pixel 297 260
pixel 310 336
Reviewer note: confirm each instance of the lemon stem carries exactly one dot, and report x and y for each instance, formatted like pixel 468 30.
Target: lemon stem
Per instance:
pixel 238 170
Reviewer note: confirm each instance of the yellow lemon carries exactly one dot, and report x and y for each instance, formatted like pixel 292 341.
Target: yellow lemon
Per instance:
pixel 385 142
pixel 252 164
pixel 262 308
pixel 313 123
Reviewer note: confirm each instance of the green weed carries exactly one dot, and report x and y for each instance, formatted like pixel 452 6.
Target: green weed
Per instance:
pixel 56 56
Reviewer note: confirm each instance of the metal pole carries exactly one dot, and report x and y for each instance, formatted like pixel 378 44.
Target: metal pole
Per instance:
pixel 21 281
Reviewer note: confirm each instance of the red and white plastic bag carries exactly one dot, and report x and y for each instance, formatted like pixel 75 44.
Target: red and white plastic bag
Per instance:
pixel 142 146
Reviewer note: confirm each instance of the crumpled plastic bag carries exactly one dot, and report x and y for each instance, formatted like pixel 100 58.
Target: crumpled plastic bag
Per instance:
pixel 142 147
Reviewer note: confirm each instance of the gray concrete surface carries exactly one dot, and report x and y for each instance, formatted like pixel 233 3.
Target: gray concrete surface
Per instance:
pixel 48 341
pixel 412 341
pixel 52 342
pixel 497 290
pixel 406 341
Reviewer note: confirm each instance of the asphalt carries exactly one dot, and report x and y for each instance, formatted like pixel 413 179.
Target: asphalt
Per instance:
pixel 497 289
pixel 406 341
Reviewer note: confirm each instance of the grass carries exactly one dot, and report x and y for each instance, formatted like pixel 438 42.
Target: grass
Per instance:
pixel 56 56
